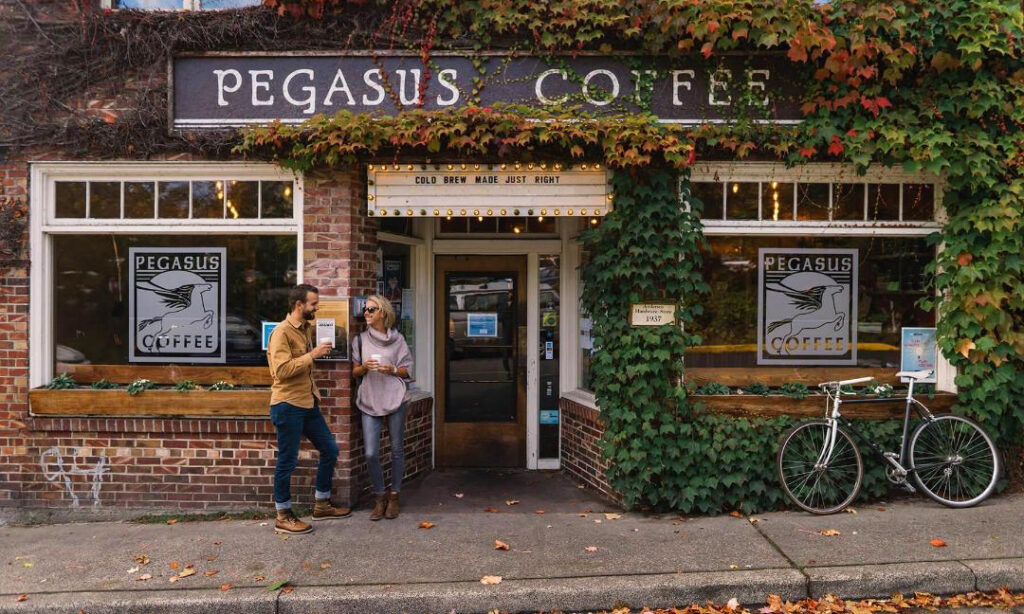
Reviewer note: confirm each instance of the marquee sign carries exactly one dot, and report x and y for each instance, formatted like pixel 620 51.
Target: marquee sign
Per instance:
pixel 217 90
pixel 488 190
pixel 807 306
pixel 176 304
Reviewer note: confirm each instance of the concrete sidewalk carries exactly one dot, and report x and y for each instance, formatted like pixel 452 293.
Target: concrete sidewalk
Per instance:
pixel 576 555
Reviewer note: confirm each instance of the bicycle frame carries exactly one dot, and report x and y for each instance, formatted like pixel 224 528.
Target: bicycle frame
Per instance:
pixel 833 417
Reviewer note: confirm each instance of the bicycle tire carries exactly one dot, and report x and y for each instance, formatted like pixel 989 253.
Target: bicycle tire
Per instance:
pixel 796 462
pixel 937 445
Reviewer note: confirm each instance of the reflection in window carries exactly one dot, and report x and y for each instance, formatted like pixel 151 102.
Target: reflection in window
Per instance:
pixel 812 201
pixel 777 202
pixel 891 279
pixel 709 194
pixel 918 201
pixel 848 201
pixel 104 199
pixel 91 285
pixel 741 201
pixel 70 198
pixel 173 199
pixel 138 199
pixel 884 201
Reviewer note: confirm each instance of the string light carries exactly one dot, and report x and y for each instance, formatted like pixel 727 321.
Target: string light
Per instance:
pixel 735 188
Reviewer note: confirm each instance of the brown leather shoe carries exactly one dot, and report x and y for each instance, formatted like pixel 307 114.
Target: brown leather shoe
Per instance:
pixel 392 510
pixel 379 502
pixel 288 523
pixel 325 510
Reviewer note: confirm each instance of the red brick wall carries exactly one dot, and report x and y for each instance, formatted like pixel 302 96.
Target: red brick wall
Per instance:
pixel 196 463
pixel 581 451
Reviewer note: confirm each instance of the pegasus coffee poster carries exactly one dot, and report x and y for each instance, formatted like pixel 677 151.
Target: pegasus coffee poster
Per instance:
pixel 807 306
pixel 177 304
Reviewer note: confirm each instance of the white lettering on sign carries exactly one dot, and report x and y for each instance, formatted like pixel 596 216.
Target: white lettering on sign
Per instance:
pixel 540 84
pixel 415 98
pixel 368 79
pixel 222 88
pixel 447 78
pixel 608 96
pixel 717 84
pixel 652 314
pixel 678 82
pixel 339 85
pixel 309 100
pixel 256 79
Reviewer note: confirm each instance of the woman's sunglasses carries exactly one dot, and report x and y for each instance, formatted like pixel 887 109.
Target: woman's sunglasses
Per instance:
pixel 371 310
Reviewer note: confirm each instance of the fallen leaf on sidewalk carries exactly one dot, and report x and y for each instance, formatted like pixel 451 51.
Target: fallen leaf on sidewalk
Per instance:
pixel 22 597
pixel 938 543
pixel 459 495
pixel 217 543
pixel 172 521
pixel 175 565
pixel 850 510
pixel 259 578
pixel 276 585
pixel 753 520
pixel 28 565
pixel 144 577
pixel 325 565
pixel 287 589
pixel 735 514
pixel 426 525
pixel 609 516
pixel 188 571
pixel 491 510
pixel 732 604
pixel 133 570
pixel 173 579
pixel 512 502
pixel 597 521
pixel 500 545
pixel 225 587
pixel 307 565
pixel 591 548
pixel 141 559
pixel 829 532
pixel 211 573
pixel 211 559
pixel 881 509
pixel 490 580
pixel 539 512
pixel 734 566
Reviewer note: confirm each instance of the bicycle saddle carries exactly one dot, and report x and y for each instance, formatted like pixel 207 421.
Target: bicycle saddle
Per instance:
pixel 914 374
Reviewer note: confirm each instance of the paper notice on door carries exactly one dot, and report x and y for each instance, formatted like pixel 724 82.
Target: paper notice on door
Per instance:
pixel 325 330
pixel 586 338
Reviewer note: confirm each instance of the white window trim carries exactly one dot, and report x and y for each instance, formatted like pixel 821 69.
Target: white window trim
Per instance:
pixel 43 225
pixel 186 5
pixel 760 172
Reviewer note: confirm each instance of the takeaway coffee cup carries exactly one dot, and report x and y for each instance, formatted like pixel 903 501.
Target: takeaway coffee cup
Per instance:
pixel 327 340
pixel 375 357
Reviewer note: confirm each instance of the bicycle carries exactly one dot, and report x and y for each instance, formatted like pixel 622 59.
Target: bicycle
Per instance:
pixel 949 457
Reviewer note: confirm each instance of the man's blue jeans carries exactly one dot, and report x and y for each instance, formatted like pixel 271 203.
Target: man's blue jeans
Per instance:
pixel 292 423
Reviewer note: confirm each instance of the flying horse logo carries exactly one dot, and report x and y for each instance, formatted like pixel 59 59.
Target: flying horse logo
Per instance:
pixel 817 307
pixel 185 306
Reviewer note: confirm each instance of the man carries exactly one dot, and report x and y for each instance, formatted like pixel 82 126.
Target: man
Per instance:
pixel 295 410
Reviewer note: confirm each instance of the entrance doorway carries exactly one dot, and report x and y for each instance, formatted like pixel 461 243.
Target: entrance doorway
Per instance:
pixel 480 358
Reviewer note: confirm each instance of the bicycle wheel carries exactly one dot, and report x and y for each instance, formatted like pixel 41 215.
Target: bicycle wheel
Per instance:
pixel 815 486
pixel 954 460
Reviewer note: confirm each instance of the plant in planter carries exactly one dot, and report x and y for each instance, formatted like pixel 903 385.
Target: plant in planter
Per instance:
pixel 62 382
pixel 713 388
pixel 757 388
pixel 103 384
pixel 883 391
pixel 185 385
pixel 795 390
pixel 222 385
pixel 139 385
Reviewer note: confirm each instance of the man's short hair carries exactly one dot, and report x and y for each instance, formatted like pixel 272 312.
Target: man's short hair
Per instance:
pixel 299 294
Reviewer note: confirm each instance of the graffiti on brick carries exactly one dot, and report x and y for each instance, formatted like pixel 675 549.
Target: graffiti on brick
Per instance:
pixel 56 469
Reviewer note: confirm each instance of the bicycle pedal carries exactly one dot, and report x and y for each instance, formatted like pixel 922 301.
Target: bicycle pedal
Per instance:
pixel 909 488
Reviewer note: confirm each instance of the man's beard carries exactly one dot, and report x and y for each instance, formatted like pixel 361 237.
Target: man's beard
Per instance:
pixel 308 315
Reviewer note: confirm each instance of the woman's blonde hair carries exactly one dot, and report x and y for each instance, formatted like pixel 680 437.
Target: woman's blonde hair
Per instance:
pixel 386 308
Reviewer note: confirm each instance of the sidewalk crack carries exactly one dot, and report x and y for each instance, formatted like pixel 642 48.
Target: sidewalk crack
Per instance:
pixel 792 563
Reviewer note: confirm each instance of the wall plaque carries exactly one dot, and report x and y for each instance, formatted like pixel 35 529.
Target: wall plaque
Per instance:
pixel 652 314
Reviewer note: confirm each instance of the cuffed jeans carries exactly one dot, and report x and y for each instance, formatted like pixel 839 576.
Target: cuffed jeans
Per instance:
pixel 372 427
pixel 292 423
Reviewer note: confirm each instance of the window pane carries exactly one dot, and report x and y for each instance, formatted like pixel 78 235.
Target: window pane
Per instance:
pixel 710 195
pixel 138 199
pixel 812 201
pixel 549 356
pixel 91 285
pixel 105 199
pixel 173 199
pixel 207 199
pixel 919 201
pixel 547 225
pixel 489 224
pixel 149 4
pixel 455 224
pixel 884 201
pixel 848 201
pixel 394 282
pixel 741 201
pixel 890 281
pixel 228 4
pixel 396 225
pixel 70 198
pixel 778 201
pixel 509 225
pixel 242 199
pixel 277 198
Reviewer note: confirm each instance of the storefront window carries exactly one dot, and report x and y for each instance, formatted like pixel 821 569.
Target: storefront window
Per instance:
pixel 498 225
pixel 93 279
pixel 550 302
pixel 890 280
pixel 394 282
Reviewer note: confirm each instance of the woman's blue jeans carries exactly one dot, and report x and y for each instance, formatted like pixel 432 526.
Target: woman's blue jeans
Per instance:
pixel 292 423
pixel 372 428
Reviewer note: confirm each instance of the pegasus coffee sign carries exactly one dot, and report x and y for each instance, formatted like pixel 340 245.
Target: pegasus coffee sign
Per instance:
pixel 177 304
pixel 807 306
pixel 217 90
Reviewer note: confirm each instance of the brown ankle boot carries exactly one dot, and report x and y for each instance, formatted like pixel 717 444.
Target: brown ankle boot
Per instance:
pixel 288 523
pixel 379 503
pixel 325 510
pixel 392 510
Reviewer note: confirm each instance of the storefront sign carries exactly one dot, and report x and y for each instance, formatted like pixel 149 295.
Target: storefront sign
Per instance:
pixel 332 323
pixel 217 90
pixel 919 352
pixel 482 325
pixel 487 190
pixel 807 306
pixel 176 304
pixel 652 314
pixel 265 329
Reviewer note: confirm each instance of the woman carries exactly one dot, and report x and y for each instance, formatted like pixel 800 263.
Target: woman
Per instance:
pixel 381 357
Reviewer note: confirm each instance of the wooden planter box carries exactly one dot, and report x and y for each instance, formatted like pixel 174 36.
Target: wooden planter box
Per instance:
pixel 813 406
pixel 88 402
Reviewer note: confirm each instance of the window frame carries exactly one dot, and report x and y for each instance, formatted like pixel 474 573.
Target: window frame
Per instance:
pixel 763 172
pixel 43 225
pixel 186 5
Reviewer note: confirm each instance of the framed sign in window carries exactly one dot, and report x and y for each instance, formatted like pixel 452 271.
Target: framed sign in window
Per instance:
pixel 918 351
